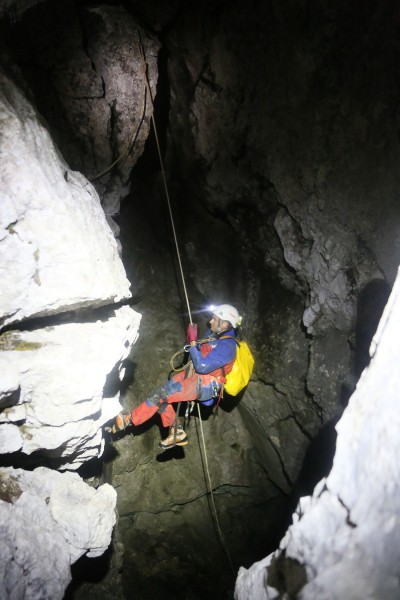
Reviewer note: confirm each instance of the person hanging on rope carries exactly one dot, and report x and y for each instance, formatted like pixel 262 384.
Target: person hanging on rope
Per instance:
pixel 211 359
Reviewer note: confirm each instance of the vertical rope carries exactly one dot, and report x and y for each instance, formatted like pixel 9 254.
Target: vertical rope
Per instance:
pixel 204 455
pixel 216 519
pixel 163 177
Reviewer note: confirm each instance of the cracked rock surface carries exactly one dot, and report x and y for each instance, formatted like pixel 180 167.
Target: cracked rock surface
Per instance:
pixel 65 386
pixel 85 69
pixel 51 217
pixel 344 537
pixel 65 333
pixel 58 254
pixel 47 521
pixel 164 510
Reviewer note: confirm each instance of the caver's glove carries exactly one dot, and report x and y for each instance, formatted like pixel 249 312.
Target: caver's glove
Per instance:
pixel 191 332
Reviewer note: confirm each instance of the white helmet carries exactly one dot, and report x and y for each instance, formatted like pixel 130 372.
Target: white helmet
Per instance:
pixel 226 312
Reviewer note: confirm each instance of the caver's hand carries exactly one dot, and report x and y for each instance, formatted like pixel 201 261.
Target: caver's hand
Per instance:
pixel 191 332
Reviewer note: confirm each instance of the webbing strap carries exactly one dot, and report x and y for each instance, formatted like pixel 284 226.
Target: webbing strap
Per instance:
pixel 230 337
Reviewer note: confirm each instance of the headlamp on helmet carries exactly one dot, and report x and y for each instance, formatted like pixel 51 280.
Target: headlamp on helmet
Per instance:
pixel 226 312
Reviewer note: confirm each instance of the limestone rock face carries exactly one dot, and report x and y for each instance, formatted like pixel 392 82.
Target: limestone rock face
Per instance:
pixel 58 383
pixel 290 160
pixel 56 248
pixel 47 521
pixel 65 336
pixel 344 540
pixel 67 380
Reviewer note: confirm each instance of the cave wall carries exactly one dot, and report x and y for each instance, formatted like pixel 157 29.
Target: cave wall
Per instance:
pixel 84 125
pixel 48 520
pixel 343 542
pixel 66 329
pixel 84 67
pixel 287 119
pixel 56 373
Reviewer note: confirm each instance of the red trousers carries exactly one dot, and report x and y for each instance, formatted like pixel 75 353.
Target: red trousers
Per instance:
pixel 188 391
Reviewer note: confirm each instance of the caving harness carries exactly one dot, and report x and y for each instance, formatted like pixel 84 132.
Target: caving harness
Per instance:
pixel 238 377
pixel 232 382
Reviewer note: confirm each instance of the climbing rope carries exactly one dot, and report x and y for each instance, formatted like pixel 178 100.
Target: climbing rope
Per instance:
pixel 206 469
pixel 163 174
pixel 131 142
pixel 185 349
pixel 216 519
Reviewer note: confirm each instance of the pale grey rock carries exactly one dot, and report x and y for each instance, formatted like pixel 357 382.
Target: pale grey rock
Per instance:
pixel 296 249
pixel 251 583
pixel 56 248
pixel 67 377
pixel 9 385
pixel 89 528
pixel 10 438
pixel 47 521
pixel 35 561
pixel 318 251
pixel 345 536
pixel 57 252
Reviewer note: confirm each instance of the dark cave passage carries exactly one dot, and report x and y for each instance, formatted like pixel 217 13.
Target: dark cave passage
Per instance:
pixel 181 553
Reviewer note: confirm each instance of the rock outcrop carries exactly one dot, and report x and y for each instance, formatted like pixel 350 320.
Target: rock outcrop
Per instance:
pixel 66 330
pixel 57 251
pixel 47 521
pixel 58 254
pixel 93 73
pixel 344 539
pixel 285 186
pixel 62 385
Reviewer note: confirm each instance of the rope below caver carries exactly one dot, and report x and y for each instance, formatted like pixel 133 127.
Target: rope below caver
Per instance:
pixel 205 459
pixel 207 470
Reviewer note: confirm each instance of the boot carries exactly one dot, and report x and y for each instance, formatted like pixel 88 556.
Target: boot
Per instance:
pixel 122 421
pixel 180 439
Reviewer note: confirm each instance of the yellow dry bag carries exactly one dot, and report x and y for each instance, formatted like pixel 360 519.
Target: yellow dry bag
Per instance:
pixel 242 368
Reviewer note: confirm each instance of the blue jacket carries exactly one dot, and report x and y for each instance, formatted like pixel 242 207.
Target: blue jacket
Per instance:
pixel 223 351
